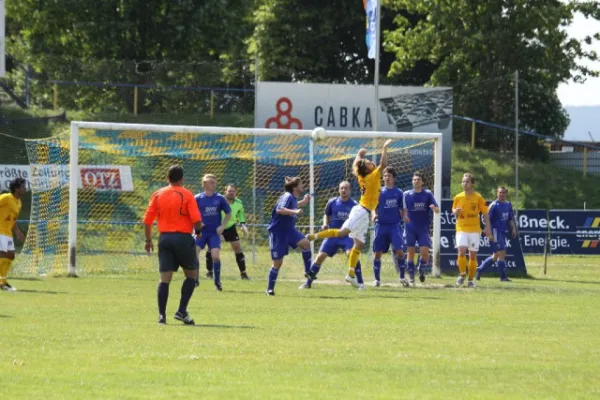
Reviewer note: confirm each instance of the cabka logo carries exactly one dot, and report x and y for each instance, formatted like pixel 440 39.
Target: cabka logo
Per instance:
pixel 283 119
pixel 590 233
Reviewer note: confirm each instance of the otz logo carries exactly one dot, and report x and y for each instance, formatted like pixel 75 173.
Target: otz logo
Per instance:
pixel 284 119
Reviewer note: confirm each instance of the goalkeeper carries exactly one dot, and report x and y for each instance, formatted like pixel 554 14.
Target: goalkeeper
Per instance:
pixel 230 233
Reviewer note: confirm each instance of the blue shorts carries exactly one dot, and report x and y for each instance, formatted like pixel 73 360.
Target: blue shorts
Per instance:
pixel 411 238
pixel 332 245
pixel 386 234
pixel 211 239
pixel 499 243
pixel 280 242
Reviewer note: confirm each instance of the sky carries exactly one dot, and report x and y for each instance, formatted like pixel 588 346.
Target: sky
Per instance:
pixel 588 93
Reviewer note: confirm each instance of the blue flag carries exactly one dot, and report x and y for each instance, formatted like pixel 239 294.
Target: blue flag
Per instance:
pixel 371 10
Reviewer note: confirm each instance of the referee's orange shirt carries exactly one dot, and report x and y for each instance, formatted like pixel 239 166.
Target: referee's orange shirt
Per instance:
pixel 175 208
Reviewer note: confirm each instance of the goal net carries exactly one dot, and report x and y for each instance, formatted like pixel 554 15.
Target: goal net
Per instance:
pixel 93 223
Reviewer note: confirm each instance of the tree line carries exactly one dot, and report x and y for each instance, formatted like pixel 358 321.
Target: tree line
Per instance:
pixel 474 46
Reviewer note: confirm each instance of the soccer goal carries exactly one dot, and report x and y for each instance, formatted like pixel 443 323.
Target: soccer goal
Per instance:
pixel 92 223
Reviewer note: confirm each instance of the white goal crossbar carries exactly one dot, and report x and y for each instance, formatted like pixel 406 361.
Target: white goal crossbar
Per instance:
pixel 74 165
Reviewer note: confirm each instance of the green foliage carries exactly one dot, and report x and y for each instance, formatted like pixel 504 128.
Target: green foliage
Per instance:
pixel 310 41
pixel 477 46
pixel 158 42
pixel 473 46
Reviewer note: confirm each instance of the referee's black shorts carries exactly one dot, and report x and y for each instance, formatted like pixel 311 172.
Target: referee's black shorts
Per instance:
pixel 230 234
pixel 176 250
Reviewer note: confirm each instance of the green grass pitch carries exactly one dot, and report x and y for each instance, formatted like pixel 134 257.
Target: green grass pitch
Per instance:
pixel 97 337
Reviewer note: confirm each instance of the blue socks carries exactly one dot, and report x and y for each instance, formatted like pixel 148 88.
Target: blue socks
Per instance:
pixel 411 269
pixel 272 278
pixel 306 257
pixel 358 272
pixel 377 268
pixel 314 269
pixel 217 271
pixel 502 269
pixel 488 262
pixel 401 264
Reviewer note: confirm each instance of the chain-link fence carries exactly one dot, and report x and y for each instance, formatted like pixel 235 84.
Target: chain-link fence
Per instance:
pixel 220 93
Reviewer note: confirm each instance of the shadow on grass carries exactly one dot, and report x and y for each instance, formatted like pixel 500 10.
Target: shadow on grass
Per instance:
pixel 39 291
pixel 359 297
pixel 5 316
pixel 220 326
pixel 565 281
pixel 31 279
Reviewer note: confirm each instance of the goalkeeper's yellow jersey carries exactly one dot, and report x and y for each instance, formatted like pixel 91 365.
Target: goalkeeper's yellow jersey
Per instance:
pixel 370 186
pixel 10 207
pixel 471 205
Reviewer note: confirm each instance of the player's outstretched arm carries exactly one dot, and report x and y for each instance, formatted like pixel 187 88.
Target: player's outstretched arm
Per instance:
pixel 305 200
pixel 513 228
pixel 325 222
pixel 221 228
pixel 384 154
pixel 287 211
pixel 360 155
pixel 18 233
pixel 488 226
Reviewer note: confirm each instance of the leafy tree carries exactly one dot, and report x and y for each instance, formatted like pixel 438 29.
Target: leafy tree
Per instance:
pixel 182 42
pixel 477 45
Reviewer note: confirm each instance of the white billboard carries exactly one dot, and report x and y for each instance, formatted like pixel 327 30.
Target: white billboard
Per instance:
pixel 44 177
pixel 282 105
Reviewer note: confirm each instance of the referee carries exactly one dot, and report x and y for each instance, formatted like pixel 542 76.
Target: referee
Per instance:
pixel 230 234
pixel 177 213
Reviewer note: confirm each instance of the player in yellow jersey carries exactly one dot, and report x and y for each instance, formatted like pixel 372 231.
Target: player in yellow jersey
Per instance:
pixel 467 208
pixel 10 207
pixel 357 224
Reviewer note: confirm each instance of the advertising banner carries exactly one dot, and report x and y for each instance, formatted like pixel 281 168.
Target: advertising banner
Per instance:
pixel 515 262
pixel 282 105
pixel 569 231
pixel 42 177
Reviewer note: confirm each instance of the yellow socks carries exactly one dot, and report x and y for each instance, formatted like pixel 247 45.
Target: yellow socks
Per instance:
pixel 462 265
pixel 352 260
pixel 4 267
pixel 327 233
pixel 472 268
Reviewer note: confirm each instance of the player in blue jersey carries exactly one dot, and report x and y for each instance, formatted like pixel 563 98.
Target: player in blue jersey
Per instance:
pixel 211 204
pixel 417 205
pixel 336 213
pixel 282 229
pixel 502 219
pixel 388 226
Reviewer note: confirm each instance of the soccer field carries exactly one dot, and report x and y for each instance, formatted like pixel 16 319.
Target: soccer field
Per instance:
pixel 97 337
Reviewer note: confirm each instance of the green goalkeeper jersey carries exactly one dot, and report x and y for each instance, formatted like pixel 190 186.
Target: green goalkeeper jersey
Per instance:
pixel 237 213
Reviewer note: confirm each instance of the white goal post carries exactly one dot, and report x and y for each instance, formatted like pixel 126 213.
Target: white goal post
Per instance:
pixel 74 160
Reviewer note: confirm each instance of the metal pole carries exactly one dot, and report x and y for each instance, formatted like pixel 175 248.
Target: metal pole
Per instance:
pixel 585 161
pixel 55 97
pixel 254 217
pixel 376 74
pixel 73 186
pixel 212 104
pixel 547 243
pixel 27 87
pixel 254 169
pixel 311 174
pixel 256 81
pixel 517 142
pixel 135 100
